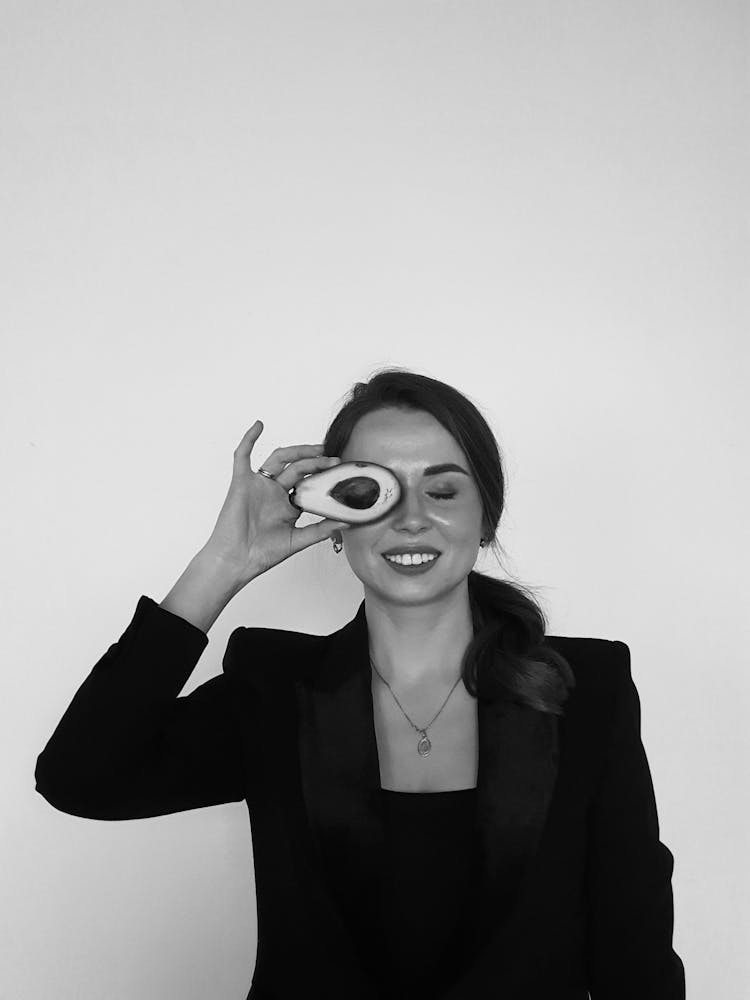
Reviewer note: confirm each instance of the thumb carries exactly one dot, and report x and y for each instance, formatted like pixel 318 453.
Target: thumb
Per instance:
pixel 328 526
pixel 318 532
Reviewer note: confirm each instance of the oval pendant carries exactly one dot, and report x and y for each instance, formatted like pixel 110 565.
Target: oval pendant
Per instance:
pixel 424 746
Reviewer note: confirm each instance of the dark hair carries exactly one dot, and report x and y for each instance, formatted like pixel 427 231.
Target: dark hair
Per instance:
pixel 507 656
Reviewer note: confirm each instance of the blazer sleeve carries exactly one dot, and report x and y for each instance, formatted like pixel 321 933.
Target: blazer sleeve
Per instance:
pixel 127 747
pixel 630 901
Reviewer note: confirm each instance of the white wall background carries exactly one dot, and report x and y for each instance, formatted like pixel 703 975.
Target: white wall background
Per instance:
pixel 214 212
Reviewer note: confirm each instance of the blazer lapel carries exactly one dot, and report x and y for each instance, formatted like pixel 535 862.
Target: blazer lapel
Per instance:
pixel 340 774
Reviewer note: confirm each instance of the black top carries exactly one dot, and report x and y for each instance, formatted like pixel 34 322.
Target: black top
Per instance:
pixel 427 892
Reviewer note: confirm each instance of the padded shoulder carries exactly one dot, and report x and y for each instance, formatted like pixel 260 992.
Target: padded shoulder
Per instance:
pixel 601 667
pixel 271 652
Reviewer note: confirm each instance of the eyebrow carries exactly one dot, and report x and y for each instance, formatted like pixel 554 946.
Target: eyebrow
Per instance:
pixel 434 470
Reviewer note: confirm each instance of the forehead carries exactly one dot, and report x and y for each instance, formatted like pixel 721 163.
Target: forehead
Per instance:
pixel 385 436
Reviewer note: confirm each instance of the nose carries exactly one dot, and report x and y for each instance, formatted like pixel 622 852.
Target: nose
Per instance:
pixel 409 514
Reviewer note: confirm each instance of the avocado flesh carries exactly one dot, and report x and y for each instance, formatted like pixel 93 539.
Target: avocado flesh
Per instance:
pixel 353 492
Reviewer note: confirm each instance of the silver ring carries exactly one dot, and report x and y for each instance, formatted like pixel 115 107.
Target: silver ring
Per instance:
pixel 264 472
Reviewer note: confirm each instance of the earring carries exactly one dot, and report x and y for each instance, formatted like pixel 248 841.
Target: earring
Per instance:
pixel 481 543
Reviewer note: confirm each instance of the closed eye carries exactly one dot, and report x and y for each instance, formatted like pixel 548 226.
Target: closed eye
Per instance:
pixel 442 496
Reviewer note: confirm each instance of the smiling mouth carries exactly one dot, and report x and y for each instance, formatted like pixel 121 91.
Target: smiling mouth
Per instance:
pixel 413 567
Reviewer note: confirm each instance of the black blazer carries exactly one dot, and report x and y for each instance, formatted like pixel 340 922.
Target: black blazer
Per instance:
pixel 576 895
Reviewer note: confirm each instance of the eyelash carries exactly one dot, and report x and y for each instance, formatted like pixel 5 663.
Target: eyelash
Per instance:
pixel 442 496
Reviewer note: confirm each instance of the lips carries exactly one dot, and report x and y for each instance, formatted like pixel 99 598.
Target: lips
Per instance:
pixel 414 568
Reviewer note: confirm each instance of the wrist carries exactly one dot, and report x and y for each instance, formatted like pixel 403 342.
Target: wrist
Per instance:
pixel 220 572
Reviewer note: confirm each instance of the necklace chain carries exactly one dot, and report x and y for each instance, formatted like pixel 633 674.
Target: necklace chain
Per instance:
pixel 424 745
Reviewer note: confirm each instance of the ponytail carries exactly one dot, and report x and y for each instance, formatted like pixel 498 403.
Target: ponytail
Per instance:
pixel 507 656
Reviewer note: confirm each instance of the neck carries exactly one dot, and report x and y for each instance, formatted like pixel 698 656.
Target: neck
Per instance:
pixel 419 645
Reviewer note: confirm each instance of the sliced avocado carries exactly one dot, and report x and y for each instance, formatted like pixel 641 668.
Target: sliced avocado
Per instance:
pixel 354 492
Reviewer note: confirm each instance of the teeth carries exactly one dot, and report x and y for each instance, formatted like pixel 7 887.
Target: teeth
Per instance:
pixel 412 560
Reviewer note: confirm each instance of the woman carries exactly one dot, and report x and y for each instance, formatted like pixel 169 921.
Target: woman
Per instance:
pixel 443 800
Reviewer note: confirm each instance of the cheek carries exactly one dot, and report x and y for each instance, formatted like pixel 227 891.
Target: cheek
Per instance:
pixel 458 524
pixel 362 543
